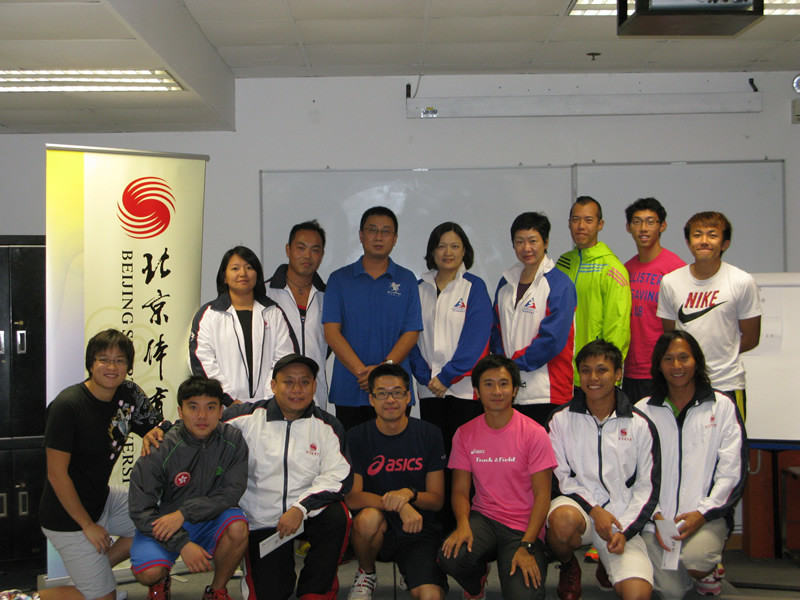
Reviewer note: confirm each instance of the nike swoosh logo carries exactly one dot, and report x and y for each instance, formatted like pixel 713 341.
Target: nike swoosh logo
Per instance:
pixel 684 318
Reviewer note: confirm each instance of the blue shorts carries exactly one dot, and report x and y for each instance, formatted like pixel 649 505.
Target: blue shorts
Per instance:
pixel 147 552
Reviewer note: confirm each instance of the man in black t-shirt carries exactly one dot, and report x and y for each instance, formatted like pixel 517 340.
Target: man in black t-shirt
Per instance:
pixel 86 429
pixel 398 487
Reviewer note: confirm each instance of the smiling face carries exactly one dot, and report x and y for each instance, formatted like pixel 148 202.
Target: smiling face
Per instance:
pixel 496 390
pixel 598 378
pixel 240 276
pixel 200 415
pixel 529 247
pixel 305 252
pixel 706 243
pixel 108 371
pixel 645 229
pixel 584 225
pixel 449 253
pixel 381 396
pixel 294 388
pixel 678 366
pixel 378 237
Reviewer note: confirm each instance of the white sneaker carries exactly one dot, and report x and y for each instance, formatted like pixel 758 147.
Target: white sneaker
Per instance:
pixel 363 585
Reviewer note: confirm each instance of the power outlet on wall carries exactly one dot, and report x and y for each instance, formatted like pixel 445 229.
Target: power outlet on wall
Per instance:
pixel 796 111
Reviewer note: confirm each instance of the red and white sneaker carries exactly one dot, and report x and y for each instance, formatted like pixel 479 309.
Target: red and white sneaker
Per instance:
pixel 711 584
pixel 484 578
pixel 160 591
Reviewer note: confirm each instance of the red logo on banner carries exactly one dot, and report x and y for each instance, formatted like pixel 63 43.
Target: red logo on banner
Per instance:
pixel 146 207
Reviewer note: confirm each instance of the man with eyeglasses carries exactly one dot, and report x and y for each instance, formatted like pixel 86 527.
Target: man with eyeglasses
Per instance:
pixel 87 426
pixel 298 475
pixel 601 282
pixel 398 487
pixel 371 315
pixel 646 221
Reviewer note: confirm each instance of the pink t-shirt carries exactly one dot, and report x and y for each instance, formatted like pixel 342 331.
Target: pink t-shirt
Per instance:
pixel 645 325
pixel 501 462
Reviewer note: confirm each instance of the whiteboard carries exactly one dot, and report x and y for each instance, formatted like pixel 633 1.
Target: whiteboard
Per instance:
pixel 483 201
pixel 749 193
pixel 773 410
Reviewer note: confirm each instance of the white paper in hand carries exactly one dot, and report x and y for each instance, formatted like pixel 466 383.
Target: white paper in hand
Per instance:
pixel 275 540
pixel 670 558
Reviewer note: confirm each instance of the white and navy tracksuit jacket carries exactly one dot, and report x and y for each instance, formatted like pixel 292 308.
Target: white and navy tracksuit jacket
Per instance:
pixel 703 454
pixel 615 465
pixel 302 463
pixel 537 332
pixel 308 330
pixel 457 324
pixel 217 350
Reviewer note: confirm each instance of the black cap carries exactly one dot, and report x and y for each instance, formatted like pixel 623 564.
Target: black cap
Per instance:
pixel 291 359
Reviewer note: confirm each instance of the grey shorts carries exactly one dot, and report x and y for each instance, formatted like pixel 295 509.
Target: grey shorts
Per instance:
pixel 90 571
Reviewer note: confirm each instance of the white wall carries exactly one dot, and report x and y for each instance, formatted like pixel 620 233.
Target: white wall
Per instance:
pixel 360 123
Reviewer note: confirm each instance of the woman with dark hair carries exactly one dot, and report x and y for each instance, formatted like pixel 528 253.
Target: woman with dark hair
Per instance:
pixel 457 320
pixel 238 337
pixel 534 308
pixel 703 465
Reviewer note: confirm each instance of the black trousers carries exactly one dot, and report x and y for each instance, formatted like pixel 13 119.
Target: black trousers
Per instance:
pixel 273 576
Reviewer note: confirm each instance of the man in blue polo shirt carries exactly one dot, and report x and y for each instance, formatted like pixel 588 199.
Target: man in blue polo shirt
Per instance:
pixel 371 315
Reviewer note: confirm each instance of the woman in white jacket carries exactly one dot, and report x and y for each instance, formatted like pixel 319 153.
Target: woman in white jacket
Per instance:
pixel 457 321
pixel 238 337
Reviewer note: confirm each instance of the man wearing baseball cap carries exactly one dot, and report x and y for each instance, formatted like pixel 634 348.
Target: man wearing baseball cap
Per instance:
pixel 299 474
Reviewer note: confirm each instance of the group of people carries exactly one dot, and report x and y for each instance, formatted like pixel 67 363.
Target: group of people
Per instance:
pixel 236 484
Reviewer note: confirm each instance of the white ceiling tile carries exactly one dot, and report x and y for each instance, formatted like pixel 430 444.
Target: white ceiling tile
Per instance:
pixel 251 33
pixel 59 22
pixel 360 31
pixel 237 10
pixel 497 8
pixel 357 9
pixel 482 54
pixel 570 29
pixel 489 29
pixel 774 28
pixel 74 54
pixel 238 57
pixel 364 54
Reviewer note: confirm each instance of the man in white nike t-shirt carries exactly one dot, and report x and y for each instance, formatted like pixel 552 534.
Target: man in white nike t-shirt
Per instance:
pixel 714 301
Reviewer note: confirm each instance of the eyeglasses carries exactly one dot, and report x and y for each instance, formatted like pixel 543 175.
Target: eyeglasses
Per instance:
pixel 384 394
pixel 107 361
pixel 372 230
pixel 650 222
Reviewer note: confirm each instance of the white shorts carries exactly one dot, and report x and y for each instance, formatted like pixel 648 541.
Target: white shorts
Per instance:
pixel 89 570
pixel 633 562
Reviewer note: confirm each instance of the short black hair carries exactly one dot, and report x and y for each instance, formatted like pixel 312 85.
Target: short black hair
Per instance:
pixel 312 225
pixel 436 237
pixel 199 385
pixel 583 200
pixel 380 211
pixel 387 370
pixel 260 291
pixel 496 361
pixel 646 204
pixel 104 340
pixel 709 218
pixel 660 349
pixel 532 220
pixel 600 348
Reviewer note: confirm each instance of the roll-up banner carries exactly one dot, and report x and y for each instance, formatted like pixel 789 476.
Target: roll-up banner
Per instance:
pixel 124 246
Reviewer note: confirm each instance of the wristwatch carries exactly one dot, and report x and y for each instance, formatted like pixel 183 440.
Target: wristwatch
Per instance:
pixel 528 546
pixel 414 494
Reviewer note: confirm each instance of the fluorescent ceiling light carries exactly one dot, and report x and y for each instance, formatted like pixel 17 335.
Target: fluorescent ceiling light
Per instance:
pixel 593 8
pixel 83 80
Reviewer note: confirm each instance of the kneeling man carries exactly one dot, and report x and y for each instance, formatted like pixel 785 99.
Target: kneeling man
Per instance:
pixel 610 487
pixel 509 458
pixel 398 487
pixel 183 496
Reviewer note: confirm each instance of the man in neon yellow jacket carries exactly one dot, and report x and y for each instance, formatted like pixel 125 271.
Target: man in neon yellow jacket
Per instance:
pixel 601 281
